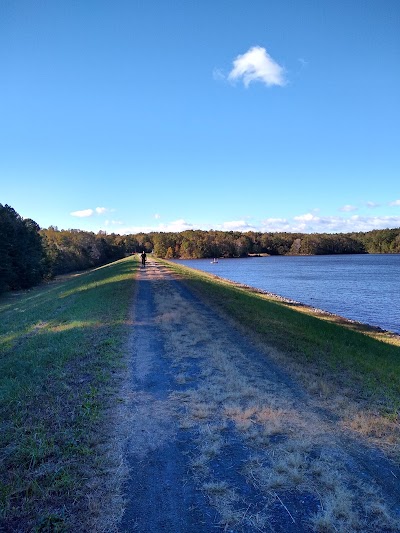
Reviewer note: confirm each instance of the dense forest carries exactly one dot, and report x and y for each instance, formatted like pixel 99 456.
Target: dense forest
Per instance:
pixel 29 254
pixel 198 244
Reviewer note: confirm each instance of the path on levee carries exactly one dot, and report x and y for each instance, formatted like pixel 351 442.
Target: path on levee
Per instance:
pixel 219 438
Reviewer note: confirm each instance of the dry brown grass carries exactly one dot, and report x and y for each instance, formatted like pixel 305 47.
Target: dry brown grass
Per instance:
pixel 378 428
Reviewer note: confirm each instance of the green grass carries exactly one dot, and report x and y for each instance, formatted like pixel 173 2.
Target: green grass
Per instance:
pixel 355 356
pixel 61 353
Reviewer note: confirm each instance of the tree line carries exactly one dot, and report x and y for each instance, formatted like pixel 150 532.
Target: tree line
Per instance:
pixel 29 254
pixel 196 244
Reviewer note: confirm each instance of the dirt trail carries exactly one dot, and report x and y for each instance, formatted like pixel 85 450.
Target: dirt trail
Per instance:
pixel 221 439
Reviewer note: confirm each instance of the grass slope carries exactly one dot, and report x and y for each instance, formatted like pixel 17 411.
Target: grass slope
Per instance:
pixel 61 349
pixel 350 355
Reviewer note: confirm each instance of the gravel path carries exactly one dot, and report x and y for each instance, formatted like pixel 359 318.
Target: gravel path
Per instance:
pixel 219 438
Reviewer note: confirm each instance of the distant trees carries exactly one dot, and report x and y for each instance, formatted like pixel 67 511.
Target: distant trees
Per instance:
pixel 383 241
pixel 196 244
pixel 164 245
pixel 323 244
pixel 29 254
pixel 69 250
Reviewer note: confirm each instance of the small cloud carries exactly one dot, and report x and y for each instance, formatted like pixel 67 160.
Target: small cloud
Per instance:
pixel 157 216
pixel 257 65
pixel 275 220
pixel 113 223
pixel 236 225
pixel 274 224
pixel 83 213
pixel 303 62
pixel 395 203
pixel 306 218
pixel 90 212
pixel 218 75
pixel 348 208
pixel 176 225
pixel 372 205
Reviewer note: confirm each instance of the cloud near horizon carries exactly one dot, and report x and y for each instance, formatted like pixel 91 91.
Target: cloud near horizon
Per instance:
pixel 83 213
pixel 113 223
pixel 310 223
pixel 348 208
pixel 256 65
pixel 305 223
pixel 172 227
pixel 235 225
pixel 89 212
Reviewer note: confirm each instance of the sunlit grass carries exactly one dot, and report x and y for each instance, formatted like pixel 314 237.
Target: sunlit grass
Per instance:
pixel 92 285
pixel 61 348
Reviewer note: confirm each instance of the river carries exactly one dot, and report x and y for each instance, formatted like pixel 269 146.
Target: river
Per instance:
pixel 365 288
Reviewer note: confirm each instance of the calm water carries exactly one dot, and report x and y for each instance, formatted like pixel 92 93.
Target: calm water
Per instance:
pixel 365 288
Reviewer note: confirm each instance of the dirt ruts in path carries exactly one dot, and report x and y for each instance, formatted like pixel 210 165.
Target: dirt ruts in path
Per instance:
pixel 220 438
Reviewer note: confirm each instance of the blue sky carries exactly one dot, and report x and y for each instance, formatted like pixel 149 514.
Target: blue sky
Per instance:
pixel 272 115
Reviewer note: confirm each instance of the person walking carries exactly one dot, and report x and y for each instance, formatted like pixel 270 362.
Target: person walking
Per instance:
pixel 143 256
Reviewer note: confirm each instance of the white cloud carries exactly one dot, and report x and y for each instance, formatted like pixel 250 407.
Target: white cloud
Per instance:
pixel 346 225
pixel 256 65
pixel 174 226
pixel 372 205
pixel 396 202
pixel 306 218
pixel 348 208
pixel 113 222
pixel 274 224
pixel 235 225
pixel 90 212
pixel 83 213
pixel 309 223
pixel 157 216
pixel 126 230
pixel 304 223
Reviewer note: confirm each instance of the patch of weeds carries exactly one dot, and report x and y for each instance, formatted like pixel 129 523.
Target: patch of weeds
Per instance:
pixel 51 523
pixel 63 480
pixel 91 405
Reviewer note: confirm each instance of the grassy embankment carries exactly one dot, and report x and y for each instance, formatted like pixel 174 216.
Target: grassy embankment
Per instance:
pixel 61 354
pixel 352 357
